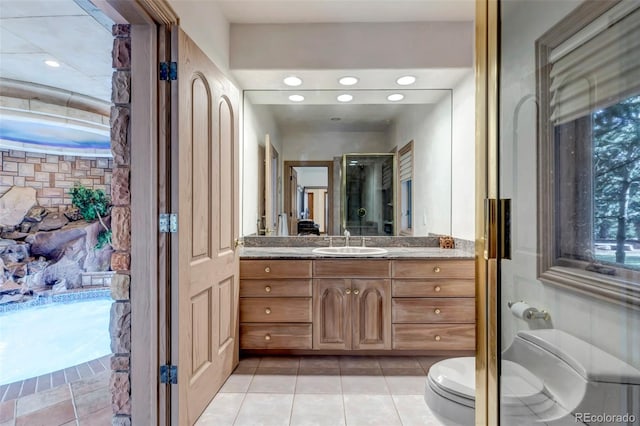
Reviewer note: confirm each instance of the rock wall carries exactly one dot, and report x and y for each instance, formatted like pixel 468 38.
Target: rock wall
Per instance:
pixel 52 175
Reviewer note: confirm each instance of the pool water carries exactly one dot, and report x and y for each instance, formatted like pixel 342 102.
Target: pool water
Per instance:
pixel 48 338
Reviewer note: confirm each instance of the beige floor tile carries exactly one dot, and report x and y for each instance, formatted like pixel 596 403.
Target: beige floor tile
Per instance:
pixel 319 383
pixel 91 383
pixel 38 401
pixel 364 384
pixel 370 410
pixel 358 362
pixel 427 361
pixel 398 362
pixel 90 402
pixel 279 362
pixel 102 417
pixel 273 380
pixel 57 414
pixel 222 411
pixel 318 410
pixel 414 411
pixel 405 381
pixel 7 411
pixel 237 383
pixel 249 361
pixel 265 410
pixel 319 362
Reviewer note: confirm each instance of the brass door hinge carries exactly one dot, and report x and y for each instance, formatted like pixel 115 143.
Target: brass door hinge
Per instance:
pixel 497 231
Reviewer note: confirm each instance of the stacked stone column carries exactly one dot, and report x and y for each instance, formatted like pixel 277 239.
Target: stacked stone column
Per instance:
pixel 120 323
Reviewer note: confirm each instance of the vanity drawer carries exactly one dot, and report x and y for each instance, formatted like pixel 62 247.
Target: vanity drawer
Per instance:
pixel 434 336
pixel 351 268
pixel 275 288
pixel 275 268
pixel 428 310
pixel 433 269
pixel 275 336
pixel 433 288
pixel 276 309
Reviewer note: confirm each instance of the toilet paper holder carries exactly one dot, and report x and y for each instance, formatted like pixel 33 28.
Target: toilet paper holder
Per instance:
pixel 530 313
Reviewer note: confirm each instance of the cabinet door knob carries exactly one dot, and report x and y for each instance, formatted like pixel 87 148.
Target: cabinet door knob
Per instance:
pixel 267 311
pixel 267 337
pixel 267 269
pixel 437 289
pixel 267 289
pixel 348 291
pixel 356 291
pixel 437 311
pixel 437 338
pixel 436 269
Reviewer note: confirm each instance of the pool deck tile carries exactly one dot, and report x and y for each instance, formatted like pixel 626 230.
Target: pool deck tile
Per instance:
pixel 57 378
pixel 13 391
pixel 7 411
pixel 89 403
pixel 84 370
pixel 44 383
pixel 71 374
pixel 41 400
pixel 96 366
pixel 57 414
pixel 29 386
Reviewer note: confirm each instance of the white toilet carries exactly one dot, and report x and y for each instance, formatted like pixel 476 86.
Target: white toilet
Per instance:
pixel 548 376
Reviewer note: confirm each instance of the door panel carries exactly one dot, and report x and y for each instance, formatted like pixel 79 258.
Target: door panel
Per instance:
pixel 206 145
pixel 372 314
pixel 331 314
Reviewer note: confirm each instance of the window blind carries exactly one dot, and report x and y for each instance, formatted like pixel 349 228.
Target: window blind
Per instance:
pixel 599 72
pixel 406 165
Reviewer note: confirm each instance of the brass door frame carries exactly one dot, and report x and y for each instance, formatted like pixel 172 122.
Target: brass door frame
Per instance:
pixel 487 296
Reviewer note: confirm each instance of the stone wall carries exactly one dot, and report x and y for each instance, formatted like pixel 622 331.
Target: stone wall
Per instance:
pixel 53 175
pixel 120 323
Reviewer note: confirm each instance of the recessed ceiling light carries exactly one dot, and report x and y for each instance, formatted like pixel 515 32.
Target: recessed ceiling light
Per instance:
pixel 348 81
pixel 395 97
pixel 406 80
pixel 292 81
pixel 53 64
pixel 345 98
pixel 296 98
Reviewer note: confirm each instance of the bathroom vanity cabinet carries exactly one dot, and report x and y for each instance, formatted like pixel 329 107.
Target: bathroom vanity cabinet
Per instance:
pixel 357 304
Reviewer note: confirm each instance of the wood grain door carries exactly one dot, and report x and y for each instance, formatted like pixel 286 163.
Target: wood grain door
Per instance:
pixel 206 166
pixel 371 313
pixel 332 313
pixel 294 213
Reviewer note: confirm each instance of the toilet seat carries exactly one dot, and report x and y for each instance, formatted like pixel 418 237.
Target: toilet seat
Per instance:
pixel 454 379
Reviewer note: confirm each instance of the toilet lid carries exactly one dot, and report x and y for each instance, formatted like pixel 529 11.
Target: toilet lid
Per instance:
pixel 456 376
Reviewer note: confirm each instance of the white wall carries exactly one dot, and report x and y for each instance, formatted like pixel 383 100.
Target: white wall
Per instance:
pixel 312 176
pixel 606 325
pixel 463 156
pixel 299 144
pixel 257 123
pixel 429 126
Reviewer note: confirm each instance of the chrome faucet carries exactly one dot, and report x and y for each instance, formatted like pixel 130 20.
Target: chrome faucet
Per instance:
pixel 347 234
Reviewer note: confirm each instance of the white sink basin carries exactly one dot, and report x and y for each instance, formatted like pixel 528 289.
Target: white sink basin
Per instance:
pixel 350 251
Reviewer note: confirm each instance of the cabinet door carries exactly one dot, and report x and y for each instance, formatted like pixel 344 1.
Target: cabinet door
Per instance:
pixel 331 314
pixel 371 314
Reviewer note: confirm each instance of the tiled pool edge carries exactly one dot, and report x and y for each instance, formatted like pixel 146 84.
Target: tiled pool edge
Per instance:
pixel 54 379
pixel 58 298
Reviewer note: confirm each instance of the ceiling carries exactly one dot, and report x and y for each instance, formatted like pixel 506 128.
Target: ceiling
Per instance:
pixel 333 11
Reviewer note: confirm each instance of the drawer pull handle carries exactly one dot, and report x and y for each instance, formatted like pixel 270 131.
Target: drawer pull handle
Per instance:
pixel 267 289
pixel 437 289
pixel 348 291
pixel 437 338
pixel 436 269
pixel 267 311
pixel 267 337
pixel 356 291
pixel 267 269
pixel 437 311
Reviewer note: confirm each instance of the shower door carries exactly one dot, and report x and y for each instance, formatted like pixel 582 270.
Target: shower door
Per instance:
pixel 568 144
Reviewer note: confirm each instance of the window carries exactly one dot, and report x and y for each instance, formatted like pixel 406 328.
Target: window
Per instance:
pixel 589 151
pixel 405 173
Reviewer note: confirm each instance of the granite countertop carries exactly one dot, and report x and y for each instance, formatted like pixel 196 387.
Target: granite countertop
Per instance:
pixel 393 253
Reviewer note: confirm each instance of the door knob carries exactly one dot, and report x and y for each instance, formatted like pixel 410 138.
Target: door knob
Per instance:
pixel 267 269
pixel 437 289
pixel 267 337
pixel 267 289
pixel 436 269
pixel 356 291
pixel 348 291
pixel 437 311
pixel 437 338
pixel 267 311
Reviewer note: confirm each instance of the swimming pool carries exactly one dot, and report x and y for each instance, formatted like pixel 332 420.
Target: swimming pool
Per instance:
pixel 47 338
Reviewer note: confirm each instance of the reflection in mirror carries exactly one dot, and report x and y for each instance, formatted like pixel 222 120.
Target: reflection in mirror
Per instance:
pixel 323 129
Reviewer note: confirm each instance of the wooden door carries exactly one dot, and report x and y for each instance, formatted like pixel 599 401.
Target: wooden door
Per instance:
pixel 310 204
pixel 371 313
pixel 206 166
pixel 332 313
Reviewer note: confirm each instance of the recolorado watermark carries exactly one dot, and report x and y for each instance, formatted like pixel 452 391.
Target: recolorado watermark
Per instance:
pixel 604 418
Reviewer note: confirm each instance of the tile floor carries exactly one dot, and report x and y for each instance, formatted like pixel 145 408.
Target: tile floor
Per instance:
pixel 83 402
pixel 323 390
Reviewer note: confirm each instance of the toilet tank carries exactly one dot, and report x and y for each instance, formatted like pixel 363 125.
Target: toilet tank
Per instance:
pixel 582 378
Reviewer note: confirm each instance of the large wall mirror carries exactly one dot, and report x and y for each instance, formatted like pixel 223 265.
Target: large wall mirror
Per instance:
pixel 399 151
